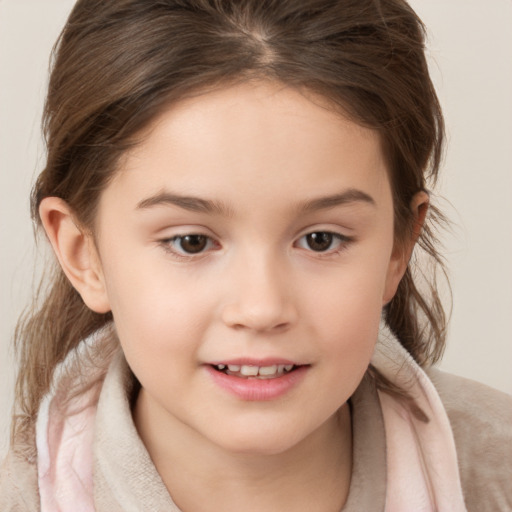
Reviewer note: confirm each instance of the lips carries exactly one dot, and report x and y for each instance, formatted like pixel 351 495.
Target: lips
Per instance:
pixel 257 380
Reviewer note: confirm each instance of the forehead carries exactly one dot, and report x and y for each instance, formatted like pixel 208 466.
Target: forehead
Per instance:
pixel 256 139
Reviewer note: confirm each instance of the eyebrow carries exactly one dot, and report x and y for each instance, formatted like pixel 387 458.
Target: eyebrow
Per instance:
pixel 191 203
pixel 346 197
pixel 197 204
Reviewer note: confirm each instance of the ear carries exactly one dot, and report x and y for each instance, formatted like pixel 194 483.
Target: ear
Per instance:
pixel 76 252
pixel 403 250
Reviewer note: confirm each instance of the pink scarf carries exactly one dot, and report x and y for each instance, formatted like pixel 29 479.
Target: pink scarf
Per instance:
pixel 422 470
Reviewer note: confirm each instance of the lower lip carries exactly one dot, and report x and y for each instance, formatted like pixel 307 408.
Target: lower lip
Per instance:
pixel 258 390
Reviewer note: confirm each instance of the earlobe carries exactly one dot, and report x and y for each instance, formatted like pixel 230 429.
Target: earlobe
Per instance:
pixel 402 252
pixel 76 252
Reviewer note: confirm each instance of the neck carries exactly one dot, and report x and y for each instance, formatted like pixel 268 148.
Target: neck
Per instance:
pixel 312 475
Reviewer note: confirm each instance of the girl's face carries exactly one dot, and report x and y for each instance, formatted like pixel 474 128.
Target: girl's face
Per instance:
pixel 250 233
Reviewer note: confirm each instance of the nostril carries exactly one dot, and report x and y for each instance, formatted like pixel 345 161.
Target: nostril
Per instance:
pixel 261 327
pixel 259 315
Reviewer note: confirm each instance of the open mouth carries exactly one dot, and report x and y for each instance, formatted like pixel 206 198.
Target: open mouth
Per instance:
pixel 256 383
pixel 255 372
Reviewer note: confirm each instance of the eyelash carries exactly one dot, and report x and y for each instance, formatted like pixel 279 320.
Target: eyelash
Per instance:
pixel 342 242
pixel 171 246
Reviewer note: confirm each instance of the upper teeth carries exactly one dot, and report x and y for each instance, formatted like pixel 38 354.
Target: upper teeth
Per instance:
pixel 253 371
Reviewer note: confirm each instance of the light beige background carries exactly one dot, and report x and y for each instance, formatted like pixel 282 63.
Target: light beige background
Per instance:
pixel 470 51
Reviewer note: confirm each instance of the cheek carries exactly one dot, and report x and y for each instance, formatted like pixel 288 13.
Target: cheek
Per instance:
pixel 158 330
pixel 153 311
pixel 347 313
pixel 351 294
pixel 351 323
pixel 350 342
pixel 162 316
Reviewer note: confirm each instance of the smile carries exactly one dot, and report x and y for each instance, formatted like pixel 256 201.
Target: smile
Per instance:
pixel 258 372
pixel 254 383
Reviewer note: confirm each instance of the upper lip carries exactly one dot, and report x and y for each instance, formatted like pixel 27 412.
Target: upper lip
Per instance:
pixel 248 361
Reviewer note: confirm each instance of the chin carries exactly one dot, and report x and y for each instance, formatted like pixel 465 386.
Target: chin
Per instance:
pixel 260 441
pixel 256 448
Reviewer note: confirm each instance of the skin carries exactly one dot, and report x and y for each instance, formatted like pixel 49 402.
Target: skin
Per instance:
pixel 274 165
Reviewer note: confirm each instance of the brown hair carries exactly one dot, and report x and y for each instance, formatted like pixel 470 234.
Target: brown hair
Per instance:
pixel 117 64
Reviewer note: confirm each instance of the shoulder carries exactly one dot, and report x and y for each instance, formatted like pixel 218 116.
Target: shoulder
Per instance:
pixel 481 420
pixel 18 484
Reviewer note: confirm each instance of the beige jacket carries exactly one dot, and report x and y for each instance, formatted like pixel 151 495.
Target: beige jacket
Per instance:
pixel 125 478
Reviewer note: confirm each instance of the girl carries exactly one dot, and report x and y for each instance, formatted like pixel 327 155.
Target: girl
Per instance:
pixel 233 191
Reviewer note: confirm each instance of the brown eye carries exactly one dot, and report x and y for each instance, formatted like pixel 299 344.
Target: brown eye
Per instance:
pixel 319 241
pixel 189 246
pixel 192 244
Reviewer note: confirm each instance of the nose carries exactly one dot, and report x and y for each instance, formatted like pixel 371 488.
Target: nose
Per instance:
pixel 262 299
